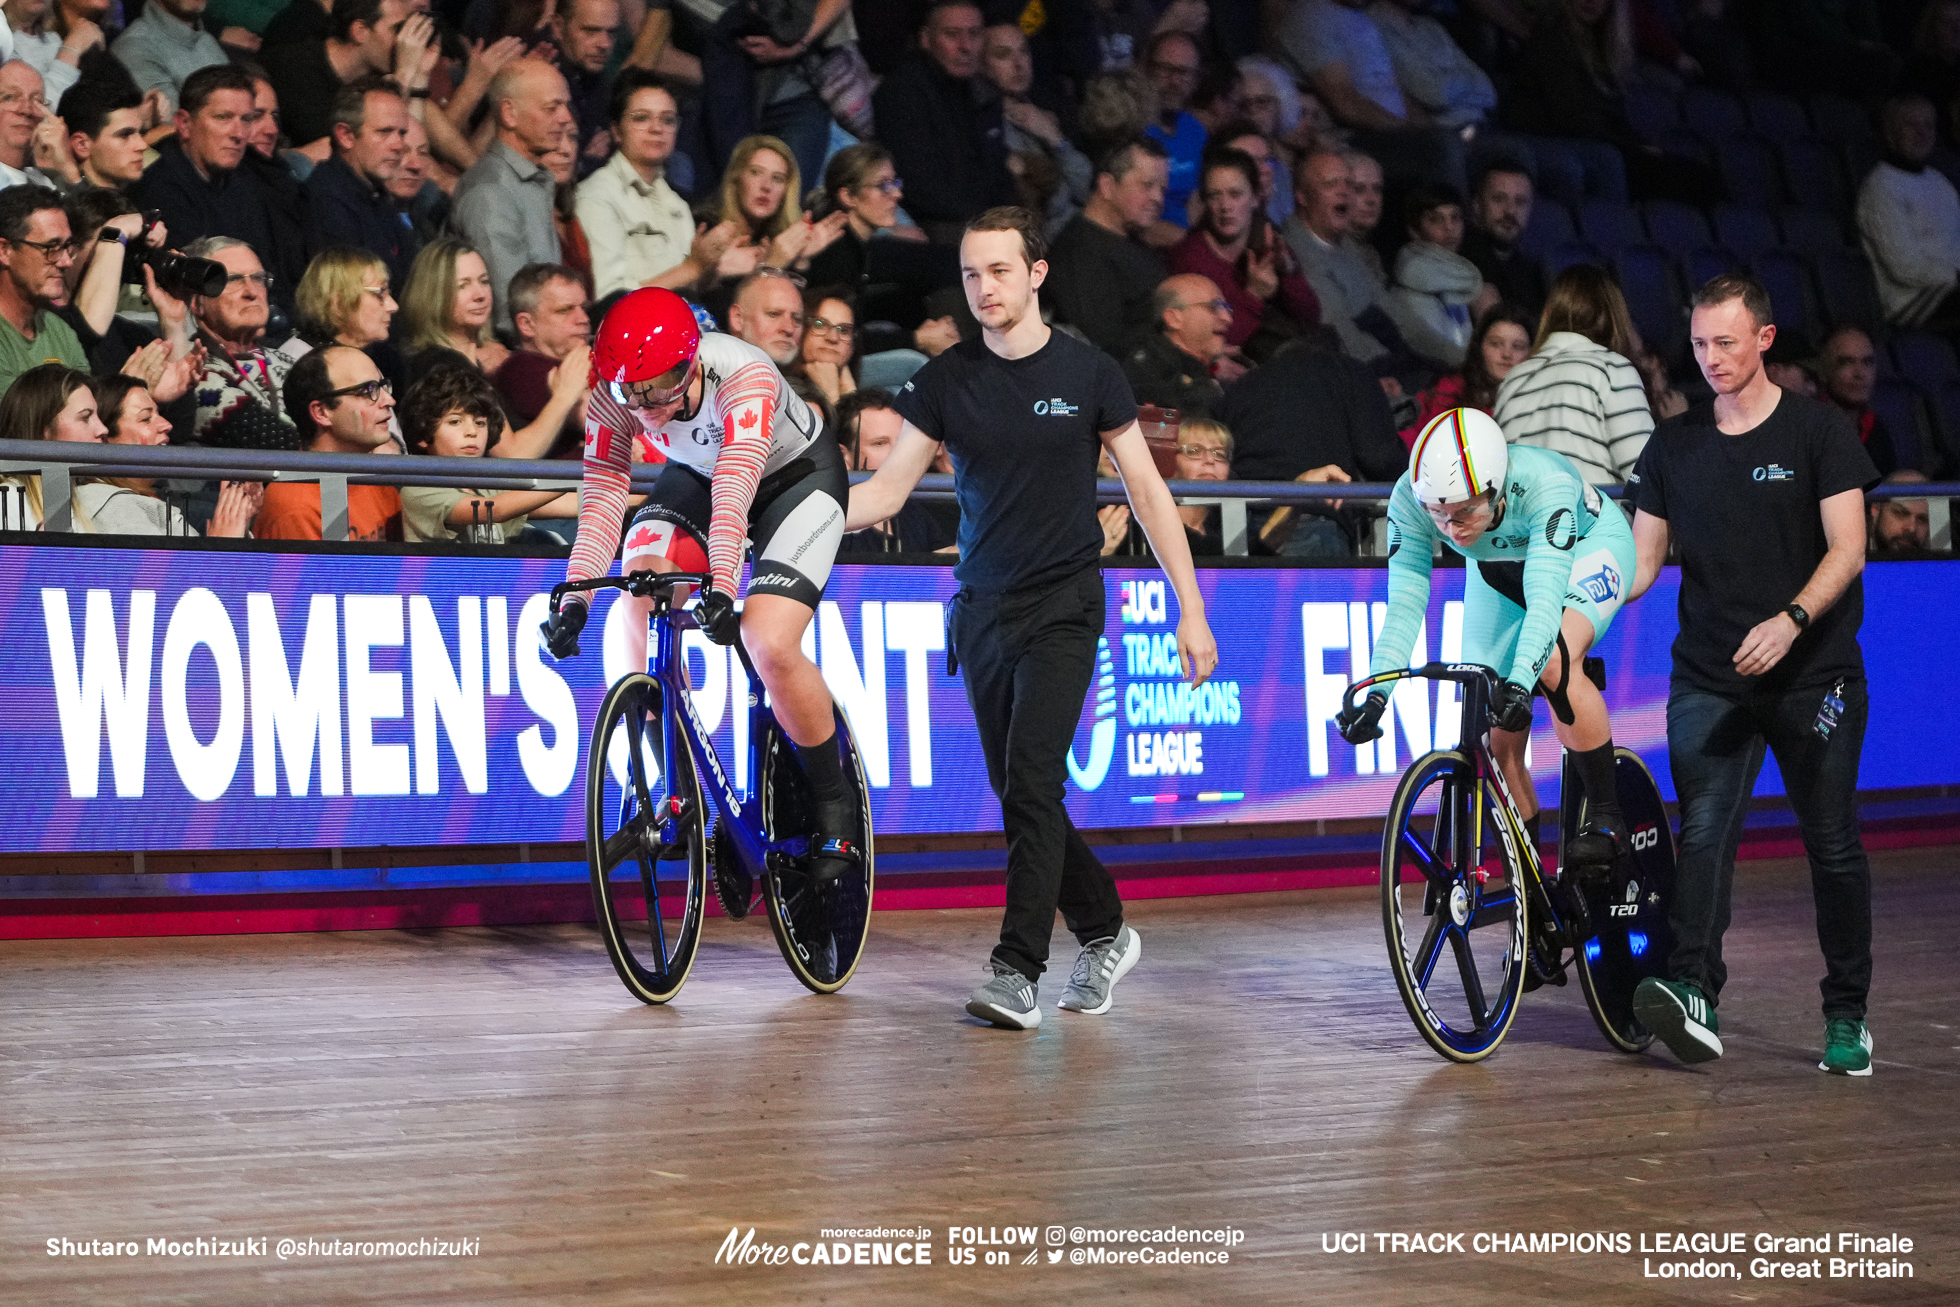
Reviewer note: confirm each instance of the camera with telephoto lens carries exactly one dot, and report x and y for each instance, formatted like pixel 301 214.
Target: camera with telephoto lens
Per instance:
pixel 177 274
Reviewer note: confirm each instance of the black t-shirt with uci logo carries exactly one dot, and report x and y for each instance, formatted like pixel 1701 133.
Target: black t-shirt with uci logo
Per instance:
pixel 1024 435
pixel 1743 513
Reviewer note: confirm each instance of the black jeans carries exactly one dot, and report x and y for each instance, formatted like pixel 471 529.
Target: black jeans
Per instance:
pixel 1028 656
pixel 1715 747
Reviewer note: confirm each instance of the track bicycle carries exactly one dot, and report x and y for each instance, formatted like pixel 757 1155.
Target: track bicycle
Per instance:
pixel 656 835
pixel 1460 875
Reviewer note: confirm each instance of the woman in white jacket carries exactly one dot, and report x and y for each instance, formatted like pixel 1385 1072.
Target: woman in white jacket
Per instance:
pixel 1578 394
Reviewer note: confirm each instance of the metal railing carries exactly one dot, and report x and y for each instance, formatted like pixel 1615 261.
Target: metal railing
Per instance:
pixel 59 462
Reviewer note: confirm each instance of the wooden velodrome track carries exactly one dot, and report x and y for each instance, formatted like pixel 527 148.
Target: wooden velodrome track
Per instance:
pixel 1258 1073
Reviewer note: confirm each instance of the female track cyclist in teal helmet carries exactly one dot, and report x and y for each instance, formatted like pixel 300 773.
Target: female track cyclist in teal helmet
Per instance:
pixel 1549 562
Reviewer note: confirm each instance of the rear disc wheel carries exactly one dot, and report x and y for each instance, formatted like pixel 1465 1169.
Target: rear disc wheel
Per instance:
pixel 820 925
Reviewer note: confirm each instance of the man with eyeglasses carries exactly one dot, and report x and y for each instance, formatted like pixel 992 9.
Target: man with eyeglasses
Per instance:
pixel 23 105
pixel 768 313
pixel 1174 65
pixel 207 182
pixel 35 251
pixel 240 400
pixel 1185 364
pixel 349 199
pixel 340 400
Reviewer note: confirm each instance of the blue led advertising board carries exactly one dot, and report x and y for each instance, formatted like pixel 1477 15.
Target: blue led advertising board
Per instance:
pixel 178 699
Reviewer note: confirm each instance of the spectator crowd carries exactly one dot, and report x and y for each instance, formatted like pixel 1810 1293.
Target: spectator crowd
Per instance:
pixel 391 227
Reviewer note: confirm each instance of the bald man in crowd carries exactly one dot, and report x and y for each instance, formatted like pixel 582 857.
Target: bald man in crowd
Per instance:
pixel 1186 363
pixel 503 205
pixel 768 313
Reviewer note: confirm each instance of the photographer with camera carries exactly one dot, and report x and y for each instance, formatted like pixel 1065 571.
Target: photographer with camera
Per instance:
pixel 115 247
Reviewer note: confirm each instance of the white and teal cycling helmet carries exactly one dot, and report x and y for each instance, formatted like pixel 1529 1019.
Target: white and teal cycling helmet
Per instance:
pixel 1459 455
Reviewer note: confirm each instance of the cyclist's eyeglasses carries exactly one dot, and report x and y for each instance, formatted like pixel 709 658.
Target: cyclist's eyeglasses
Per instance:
pixel 379 292
pixel 1464 516
pixel 890 186
pixel 1220 305
pixel 1206 453
pixel 655 392
pixel 14 99
pixel 838 330
pixel 52 249
pixel 367 390
pixel 263 280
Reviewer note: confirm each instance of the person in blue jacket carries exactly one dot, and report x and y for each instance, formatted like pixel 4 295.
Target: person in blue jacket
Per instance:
pixel 1549 563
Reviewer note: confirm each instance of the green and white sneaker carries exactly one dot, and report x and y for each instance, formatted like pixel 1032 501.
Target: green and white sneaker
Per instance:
pixel 1006 1000
pixel 1680 1017
pixel 1847 1047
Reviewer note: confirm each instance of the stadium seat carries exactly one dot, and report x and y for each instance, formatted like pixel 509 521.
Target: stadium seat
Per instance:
pixel 1840 120
pixel 1778 117
pixel 1646 277
pixel 1746 229
pixel 1813 231
pixel 1712 114
pixel 1897 403
pixel 1676 227
pixel 1702 265
pixel 1551 224
pixel 1751 170
pixel 1787 279
pixel 1924 359
pixel 1565 254
pixel 1849 293
pixel 1813 174
pixel 1688 145
pixel 1653 111
pixel 1610 225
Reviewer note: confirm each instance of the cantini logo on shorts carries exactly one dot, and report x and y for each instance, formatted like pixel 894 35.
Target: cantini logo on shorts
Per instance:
pixel 1060 408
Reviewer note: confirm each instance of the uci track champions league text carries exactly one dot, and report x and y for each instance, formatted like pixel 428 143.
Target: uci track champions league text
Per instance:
pixel 193 699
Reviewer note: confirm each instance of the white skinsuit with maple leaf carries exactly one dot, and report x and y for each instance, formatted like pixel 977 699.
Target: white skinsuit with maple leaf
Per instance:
pixel 747 425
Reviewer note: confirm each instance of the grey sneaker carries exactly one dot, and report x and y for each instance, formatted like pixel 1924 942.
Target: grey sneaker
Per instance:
pixel 1006 1000
pixel 1102 962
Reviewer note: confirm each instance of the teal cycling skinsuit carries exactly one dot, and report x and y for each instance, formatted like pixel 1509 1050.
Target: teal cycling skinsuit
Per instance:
pixel 1560 545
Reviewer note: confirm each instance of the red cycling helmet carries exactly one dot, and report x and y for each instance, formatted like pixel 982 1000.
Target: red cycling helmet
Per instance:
pixel 646 346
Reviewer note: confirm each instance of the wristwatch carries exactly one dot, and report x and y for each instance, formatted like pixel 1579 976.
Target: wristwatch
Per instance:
pixel 112 236
pixel 1798 615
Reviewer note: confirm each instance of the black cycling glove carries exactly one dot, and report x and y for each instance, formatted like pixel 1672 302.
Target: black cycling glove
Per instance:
pixel 1361 722
pixel 717 616
pixel 561 629
pixel 1512 709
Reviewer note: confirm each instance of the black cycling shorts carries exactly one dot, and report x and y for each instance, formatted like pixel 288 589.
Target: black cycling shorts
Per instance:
pixel 795 523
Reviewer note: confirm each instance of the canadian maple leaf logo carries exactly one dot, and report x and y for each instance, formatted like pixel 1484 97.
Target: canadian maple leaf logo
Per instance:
pixel 748 419
pixel 640 538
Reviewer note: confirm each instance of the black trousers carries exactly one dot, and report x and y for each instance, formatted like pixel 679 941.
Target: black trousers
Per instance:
pixel 1028 657
pixel 1715 746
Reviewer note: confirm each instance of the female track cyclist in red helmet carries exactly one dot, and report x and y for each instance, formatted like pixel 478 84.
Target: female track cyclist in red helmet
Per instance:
pixel 746 459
